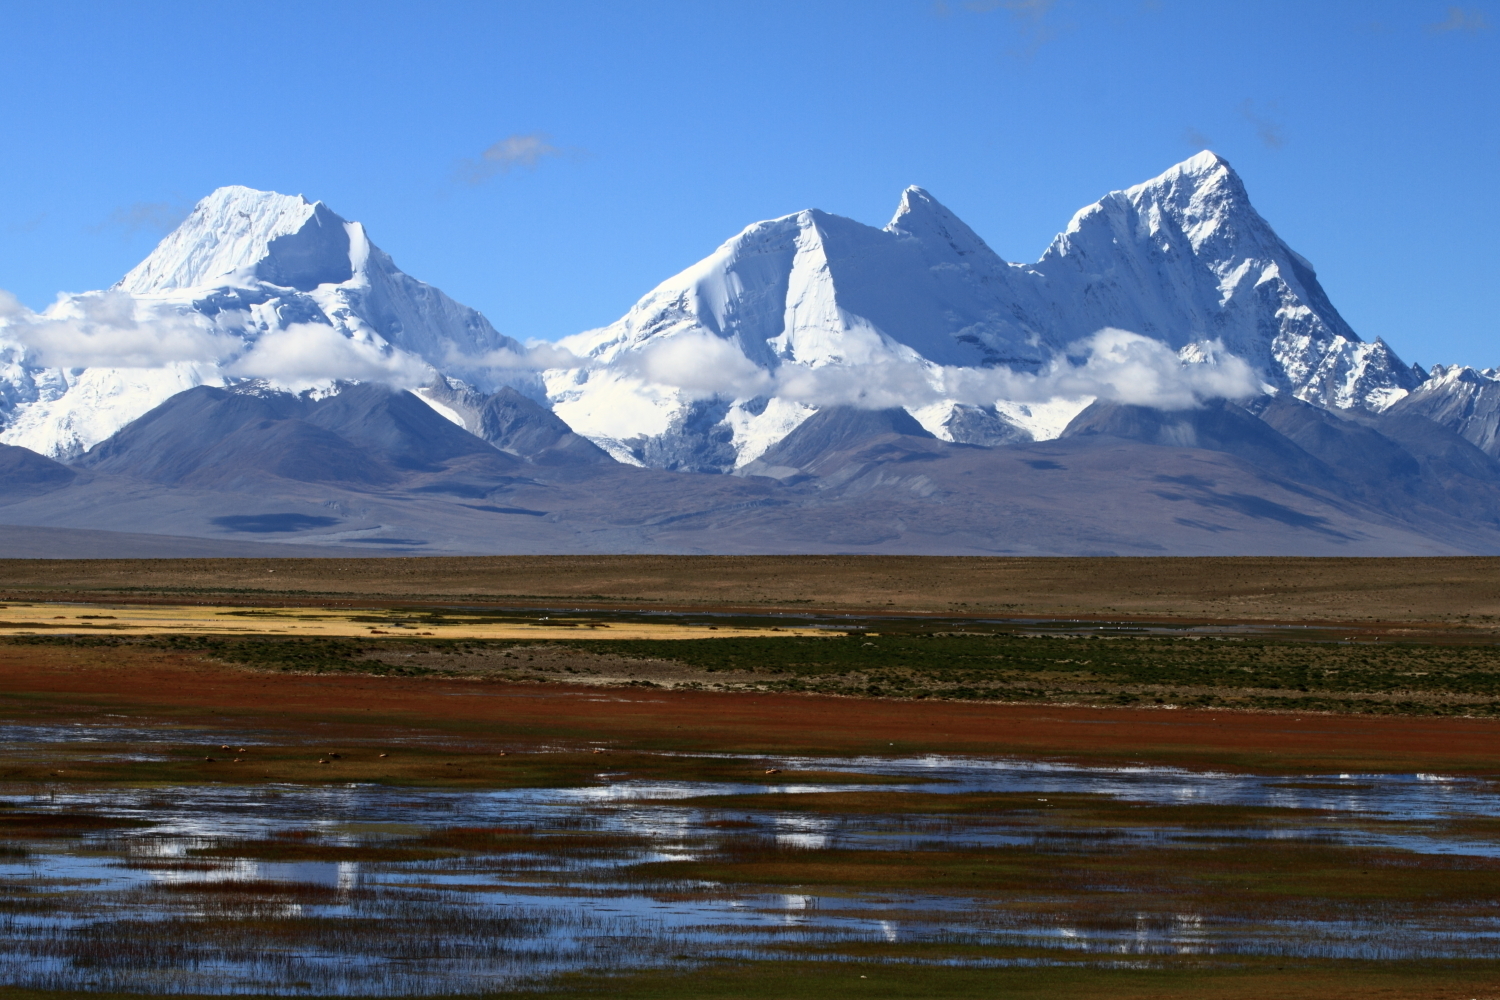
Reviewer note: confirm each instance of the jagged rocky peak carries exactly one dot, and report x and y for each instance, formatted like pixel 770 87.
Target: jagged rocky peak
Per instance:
pixel 1460 398
pixel 241 233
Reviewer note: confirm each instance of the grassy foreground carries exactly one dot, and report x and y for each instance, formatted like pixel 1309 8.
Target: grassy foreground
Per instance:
pixel 1208 672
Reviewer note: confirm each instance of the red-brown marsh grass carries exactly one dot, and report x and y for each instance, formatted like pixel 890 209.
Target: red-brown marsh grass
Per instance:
pixel 504 840
pixel 275 850
pixel 234 889
pixel 1211 877
pixel 47 825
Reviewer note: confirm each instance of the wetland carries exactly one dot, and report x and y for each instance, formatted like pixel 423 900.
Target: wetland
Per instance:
pixel 230 795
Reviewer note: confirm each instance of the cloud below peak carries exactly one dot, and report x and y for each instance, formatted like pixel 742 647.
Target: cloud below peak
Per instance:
pixel 1115 365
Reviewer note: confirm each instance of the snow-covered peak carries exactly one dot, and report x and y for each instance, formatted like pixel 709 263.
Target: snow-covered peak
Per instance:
pixel 266 285
pixel 1202 194
pixel 1203 164
pixel 255 251
pixel 230 232
pixel 1201 198
pixel 922 216
pixel 1447 376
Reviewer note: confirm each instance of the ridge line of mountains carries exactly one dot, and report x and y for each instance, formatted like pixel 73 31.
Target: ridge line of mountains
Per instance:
pixel 1168 378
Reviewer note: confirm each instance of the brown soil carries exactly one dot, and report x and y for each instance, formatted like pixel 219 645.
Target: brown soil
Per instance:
pixel 90 684
pixel 1253 588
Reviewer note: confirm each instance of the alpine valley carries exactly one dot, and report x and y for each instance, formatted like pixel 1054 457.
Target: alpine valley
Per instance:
pixel 1167 379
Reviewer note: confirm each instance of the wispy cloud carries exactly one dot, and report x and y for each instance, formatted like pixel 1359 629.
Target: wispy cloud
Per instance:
pixel 513 151
pixel 146 216
pixel 113 329
pixel 1268 130
pixel 539 355
pixel 1196 139
pixel 30 225
pixel 1466 19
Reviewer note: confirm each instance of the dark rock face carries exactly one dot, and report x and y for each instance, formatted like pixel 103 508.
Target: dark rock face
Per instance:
pixel 697 441
pixel 366 436
pixel 317 254
pixel 524 428
pixel 982 425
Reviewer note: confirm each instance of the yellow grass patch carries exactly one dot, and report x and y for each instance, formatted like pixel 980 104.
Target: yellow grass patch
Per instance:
pixel 210 619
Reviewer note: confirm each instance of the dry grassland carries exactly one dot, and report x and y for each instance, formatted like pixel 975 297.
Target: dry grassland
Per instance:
pixel 125 619
pixel 1432 590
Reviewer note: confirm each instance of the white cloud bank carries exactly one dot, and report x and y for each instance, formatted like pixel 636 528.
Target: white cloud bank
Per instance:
pixel 109 330
pixel 1114 365
pixel 304 355
pixel 116 330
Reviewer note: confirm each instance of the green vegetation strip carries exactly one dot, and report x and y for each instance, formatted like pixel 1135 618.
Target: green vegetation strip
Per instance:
pixel 1393 679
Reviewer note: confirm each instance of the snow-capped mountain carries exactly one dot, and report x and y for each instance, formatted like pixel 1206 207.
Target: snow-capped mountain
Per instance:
pixel 1168 378
pixel 714 365
pixel 1462 399
pixel 719 363
pixel 251 284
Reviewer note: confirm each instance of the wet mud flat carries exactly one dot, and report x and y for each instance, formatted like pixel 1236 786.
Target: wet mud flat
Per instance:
pixel 970 869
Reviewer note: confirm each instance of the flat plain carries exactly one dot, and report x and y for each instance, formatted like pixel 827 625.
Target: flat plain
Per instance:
pixel 638 776
pixel 1438 590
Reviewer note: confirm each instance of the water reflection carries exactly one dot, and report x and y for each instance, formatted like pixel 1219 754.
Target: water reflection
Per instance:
pixel 168 906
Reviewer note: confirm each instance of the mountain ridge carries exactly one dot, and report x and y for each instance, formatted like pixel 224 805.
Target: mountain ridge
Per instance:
pixel 1168 376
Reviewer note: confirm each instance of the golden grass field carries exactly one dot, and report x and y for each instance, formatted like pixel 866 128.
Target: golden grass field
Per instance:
pixel 222 619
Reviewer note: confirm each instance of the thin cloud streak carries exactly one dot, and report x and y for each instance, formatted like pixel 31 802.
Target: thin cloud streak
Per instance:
pixel 1469 20
pixel 1196 139
pixel 513 151
pixel 1268 131
pixel 145 216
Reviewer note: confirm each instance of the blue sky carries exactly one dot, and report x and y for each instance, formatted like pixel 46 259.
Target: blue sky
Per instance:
pixel 630 139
